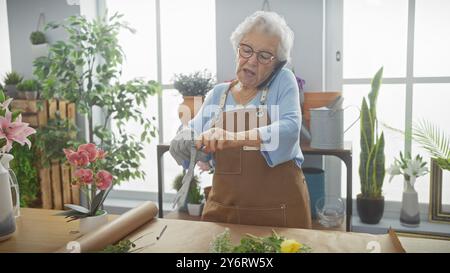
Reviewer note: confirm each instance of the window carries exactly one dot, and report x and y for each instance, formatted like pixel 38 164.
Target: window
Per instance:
pixel 416 80
pixel 5 53
pixel 187 44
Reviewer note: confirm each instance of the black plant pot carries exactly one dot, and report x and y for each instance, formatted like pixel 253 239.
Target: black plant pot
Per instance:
pixel 370 210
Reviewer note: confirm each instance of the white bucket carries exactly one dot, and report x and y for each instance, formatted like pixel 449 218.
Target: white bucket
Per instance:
pixel 327 128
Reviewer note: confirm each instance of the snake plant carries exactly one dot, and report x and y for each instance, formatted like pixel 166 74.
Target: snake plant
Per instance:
pixel 372 159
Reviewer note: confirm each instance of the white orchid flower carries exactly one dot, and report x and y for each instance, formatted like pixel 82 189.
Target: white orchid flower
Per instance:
pixel 393 170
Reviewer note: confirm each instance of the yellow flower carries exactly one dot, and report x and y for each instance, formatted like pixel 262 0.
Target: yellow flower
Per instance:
pixel 290 246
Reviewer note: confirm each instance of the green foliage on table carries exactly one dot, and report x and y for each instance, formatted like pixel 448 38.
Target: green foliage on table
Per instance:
pixel 194 84
pixel 434 140
pixel 251 244
pixel 372 158
pixel 123 246
pixel 37 38
pixel 12 78
pixel 52 138
pixel 85 70
pixel 27 175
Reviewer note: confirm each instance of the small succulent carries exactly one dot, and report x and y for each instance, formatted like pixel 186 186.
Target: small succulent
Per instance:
pixel 28 85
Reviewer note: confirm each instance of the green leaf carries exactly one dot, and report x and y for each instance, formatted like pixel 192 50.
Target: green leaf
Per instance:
pixel 76 208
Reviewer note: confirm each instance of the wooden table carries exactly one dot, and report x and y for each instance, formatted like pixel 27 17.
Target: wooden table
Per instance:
pixel 344 154
pixel 39 230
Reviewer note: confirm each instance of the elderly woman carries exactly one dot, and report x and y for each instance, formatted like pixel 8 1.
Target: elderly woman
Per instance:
pixel 251 128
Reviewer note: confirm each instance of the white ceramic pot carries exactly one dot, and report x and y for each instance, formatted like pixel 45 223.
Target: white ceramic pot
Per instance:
pixel 39 50
pixel 195 209
pixel 410 214
pixel 92 223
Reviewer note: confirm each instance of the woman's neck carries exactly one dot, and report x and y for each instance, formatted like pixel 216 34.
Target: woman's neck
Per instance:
pixel 244 94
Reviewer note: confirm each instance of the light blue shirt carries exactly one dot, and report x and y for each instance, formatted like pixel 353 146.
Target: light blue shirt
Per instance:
pixel 285 119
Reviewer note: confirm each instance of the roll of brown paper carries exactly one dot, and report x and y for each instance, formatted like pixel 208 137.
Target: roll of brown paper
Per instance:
pixel 116 229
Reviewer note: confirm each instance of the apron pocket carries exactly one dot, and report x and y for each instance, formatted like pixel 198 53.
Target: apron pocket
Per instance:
pixel 228 161
pixel 263 216
pixel 216 212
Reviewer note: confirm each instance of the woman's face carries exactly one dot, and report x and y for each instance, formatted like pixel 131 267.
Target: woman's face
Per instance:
pixel 250 71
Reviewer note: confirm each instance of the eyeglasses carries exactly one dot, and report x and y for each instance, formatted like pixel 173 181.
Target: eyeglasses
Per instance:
pixel 263 57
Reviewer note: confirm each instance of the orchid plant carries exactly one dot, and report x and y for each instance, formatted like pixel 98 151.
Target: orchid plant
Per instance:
pixel 12 129
pixel 94 182
pixel 408 167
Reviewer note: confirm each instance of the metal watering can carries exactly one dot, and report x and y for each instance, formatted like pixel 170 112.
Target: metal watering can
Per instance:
pixel 327 125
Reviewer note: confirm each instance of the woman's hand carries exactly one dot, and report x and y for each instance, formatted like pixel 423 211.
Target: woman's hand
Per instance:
pixel 216 139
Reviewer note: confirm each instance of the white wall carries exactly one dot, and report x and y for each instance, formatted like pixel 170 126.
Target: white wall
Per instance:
pixel 305 17
pixel 5 53
pixel 23 17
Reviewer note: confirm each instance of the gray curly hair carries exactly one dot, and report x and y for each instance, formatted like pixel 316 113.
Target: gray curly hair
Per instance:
pixel 269 23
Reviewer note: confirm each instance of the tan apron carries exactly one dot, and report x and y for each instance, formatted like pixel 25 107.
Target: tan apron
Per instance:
pixel 246 190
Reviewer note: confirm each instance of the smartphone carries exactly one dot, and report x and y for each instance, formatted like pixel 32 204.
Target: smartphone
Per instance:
pixel 272 76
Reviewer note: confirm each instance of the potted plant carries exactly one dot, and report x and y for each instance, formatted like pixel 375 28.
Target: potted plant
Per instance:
pixel 11 80
pixel 95 183
pixel 370 202
pixel 195 201
pixel 39 46
pixel 193 87
pixel 177 183
pixel 28 89
pixel 410 168
pixel 91 80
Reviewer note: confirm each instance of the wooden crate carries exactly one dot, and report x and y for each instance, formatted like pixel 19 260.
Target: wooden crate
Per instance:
pixel 55 186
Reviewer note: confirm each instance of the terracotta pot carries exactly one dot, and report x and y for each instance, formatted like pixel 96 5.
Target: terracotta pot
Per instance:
pixel 189 108
pixel 316 100
pixel 370 210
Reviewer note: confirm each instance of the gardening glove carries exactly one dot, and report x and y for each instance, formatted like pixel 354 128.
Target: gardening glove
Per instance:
pixel 182 193
pixel 181 147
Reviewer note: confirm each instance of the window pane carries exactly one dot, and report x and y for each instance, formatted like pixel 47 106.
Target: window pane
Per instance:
pixel 140 51
pixel 390 111
pixel 188 37
pixel 375 35
pixel 139 48
pixel 432 39
pixel 431 103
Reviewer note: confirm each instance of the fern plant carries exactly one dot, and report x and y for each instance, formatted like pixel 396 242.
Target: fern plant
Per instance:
pixel 434 140
pixel 372 159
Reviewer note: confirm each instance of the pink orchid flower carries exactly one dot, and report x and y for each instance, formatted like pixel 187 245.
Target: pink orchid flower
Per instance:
pixel 90 149
pixel 104 179
pixel 84 176
pixel 17 131
pixel 80 159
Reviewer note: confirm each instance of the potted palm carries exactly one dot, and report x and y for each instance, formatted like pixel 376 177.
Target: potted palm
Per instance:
pixel 370 202
pixel 11 80
pixel 39 45
pixel 193 87
pixel 195 203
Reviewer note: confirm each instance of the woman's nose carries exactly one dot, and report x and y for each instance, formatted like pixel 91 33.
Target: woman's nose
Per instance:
pixel 253 59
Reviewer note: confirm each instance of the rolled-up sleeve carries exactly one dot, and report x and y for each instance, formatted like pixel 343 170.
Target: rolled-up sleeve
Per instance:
pixel 280 139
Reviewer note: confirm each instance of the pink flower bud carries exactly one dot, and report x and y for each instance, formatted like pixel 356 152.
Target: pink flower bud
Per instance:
pixel 101 154
pixel 103 179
